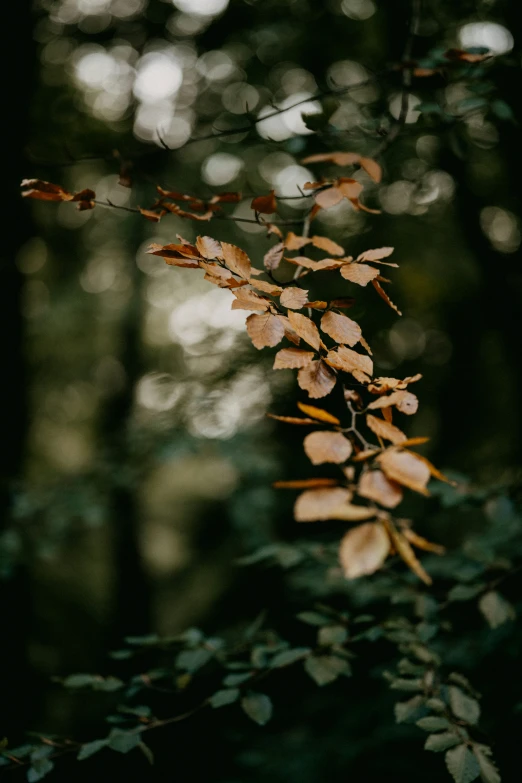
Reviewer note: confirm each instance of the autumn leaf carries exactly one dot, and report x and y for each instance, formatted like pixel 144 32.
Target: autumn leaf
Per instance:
pixel 384 429
pixel 375 255
pixel 338 158
pixel 305 328
pixel 328 245
pixel 316 266
pixel 318 413
pixel 435 472
pixel 323 447
pixel 294 242
pixel 292 359
pixel 382 293
pixel 265 330
pixel 290 333
pixel 349 188
pixel 422 543
pixel 292 419
pixel 361 274
pixel 44 191
pixel 267 288
pixel 317 379
pixel 176 210
pixel 152 215
pixel 383 385
pixel 237 260
pixel 273 257
pixel 316 505
pixel 294 298
pixel 209 248
pixel 172 256
pixel 372 168
pixel 341 328
pixel 364 549
pixel 226 197
pixel 464 56
pixel 343 358
pixel 317 304
pixel 405 468
pixel 403 548
pixel 405 402
pixel 265 204
pixel 249 300
pixel 344 303
pixel 310 483
pixel 374 485
pixel 328 198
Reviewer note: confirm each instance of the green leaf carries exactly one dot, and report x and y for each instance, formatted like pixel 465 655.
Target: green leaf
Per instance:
pixel 288 657
pixel 488 771
pixel 90 748
pixel 123 741
pixel 231 680
pixel 462 764
pixel 433 723
pixel 437 705
pixel 332 634
pixel 496 609
pixel 313 618
pixel 428 108
pixel 464 592
pixel 139 641
pixel 463 706
pixel 502 110
pixel 324 669
pixel 258 707
pixel 440 742
pixel 147 752
pixel 39 769
pixel 79 680
pixel 192 660
pixel 224 697
pixel 407 711
pixel 471 104
pixel 406 685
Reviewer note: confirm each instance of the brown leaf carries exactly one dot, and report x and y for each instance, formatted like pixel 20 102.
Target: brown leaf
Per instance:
pixel 344 303
pixel 291 419
pixel 290 334
pixel 305 328
pixel 317 379
pixel 328 245
pixel 272 259
pixel 152 215
pixel 237 260
pixel 265 330
pixel 44 191
pixel 422 543
pixel 249 300
pixel 464 56
pixel 292 359
pixel 341 328
pixel 315 266
pixel 382 385
pixel 328 198
pixel 323 446
pixel 316 505
pixel 435 472
pixel 338 158
pixel 265 204
pixel 317 304
pixel 404 550
pixel 374 485
pixel 361 274
pixel 343 358
pixel 375 255
pixel 405 468
pixel 318 413
pixel 365 345
pixel 184 214
pixel 364 549
pixel 404 401
pixel 310 483
pixel 372 168
pixel 209 248
pixel 271 228
pixel 350 188
pixel 172 256
pixel 293 242
pixel 267 288
pixel 294 298
pixel 418 441
pixel 382 293
pixel 384 429
pixel 218 275
pixel 226 197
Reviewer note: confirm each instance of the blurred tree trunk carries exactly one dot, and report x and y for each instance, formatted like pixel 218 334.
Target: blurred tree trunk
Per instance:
pixel 14 592
pixel 131 595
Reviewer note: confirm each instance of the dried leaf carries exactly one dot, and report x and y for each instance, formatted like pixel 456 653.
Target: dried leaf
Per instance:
pixel 317 305
pixel 172 256
pixel 317 505
pixel 341 328
pixel 310 483
pixel 265 204
pixel 405 402
pixel 343 358
pixel 292 419
pixel 344 303
pixel 208 247
pixel 292 359
pixel 273 229
pixel 293 242
pixel 305 328
pixel 338 158
pixel 372 168
pixel 382 385
pixel 294 298
pixel 384 429
pixel 405 468
pixel 317 379
pixel 328 198
pixel 265 330
pixel 435 472
pixel 364 549
pixel 375 255
pixel 422 543
pixel 273 257
pixel 361 274
pixel 318 413
pixel 226 197
pixel 328 245
pixel 44 191
pixel 323 447
pixel 404 550
pixel 151 215
pixel 267 288
pixel 382 293
pixel 290 334
pixel 349 188
pixel 237 260
pixel 315 266
pixel 374 485
pixel 464 56
pixel 247 299
pixel 184 214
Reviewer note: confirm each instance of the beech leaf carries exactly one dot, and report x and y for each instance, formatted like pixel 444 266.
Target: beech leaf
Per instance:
pixel 317 379
pixel 361 274
pixel 462 764
pixel 305 328
pixel 364 549
pixel 317 505
pixel 273 257
pixel 292 359
pixel 318 413
pixel 384 429
pixel 294 298
pixel 405 468
pixel 341 328
pixel 237 260
pixel 265 330
pixel 374 485
pixel 343 358
pixel 328 245
pixel 327 447
pixel 265 204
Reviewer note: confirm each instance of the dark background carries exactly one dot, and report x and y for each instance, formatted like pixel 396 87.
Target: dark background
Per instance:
pixel 136 455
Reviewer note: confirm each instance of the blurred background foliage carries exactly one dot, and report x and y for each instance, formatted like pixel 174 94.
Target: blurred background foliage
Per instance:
pixel 137 458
